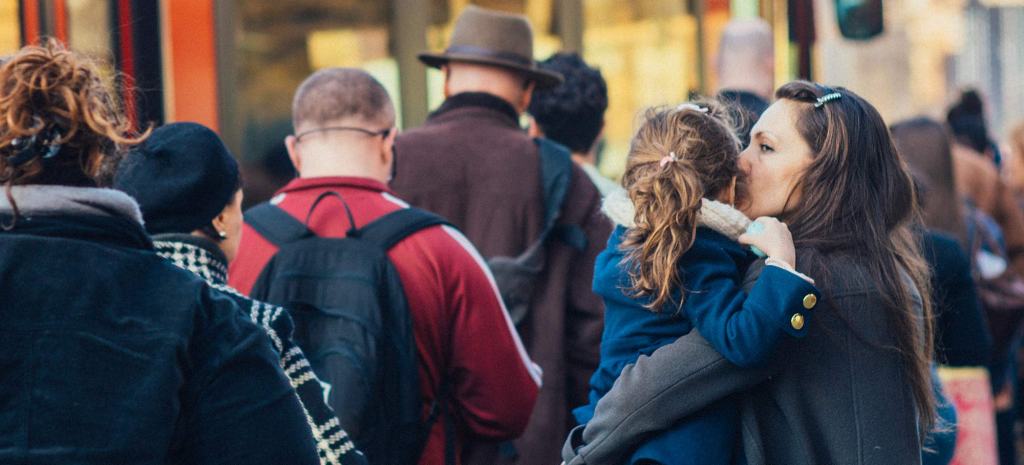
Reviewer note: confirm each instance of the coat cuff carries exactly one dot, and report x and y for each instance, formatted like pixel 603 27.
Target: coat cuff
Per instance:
pixel 789 296
pixel 571 447
pixel 786 266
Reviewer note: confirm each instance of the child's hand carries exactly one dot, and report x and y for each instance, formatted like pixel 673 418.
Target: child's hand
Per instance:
pixel 774 240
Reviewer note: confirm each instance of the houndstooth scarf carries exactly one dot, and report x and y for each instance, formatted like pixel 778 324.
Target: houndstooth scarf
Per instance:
pixel 203 258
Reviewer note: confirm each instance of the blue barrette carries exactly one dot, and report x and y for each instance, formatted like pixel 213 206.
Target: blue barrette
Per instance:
pixel 827 98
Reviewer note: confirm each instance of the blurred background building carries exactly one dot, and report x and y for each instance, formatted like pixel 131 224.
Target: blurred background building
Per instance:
pixel 234 64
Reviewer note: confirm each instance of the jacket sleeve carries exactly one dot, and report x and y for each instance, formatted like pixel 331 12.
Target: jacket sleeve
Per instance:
pixel 963 334
pixel 243 408
pixel 743 327
pixel 585 316
pixel 495 384
pixel 653 394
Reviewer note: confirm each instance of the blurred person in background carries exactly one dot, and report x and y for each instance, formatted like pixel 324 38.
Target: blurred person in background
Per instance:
pixel 189 189
pixel 572 114
pixel 745 68
pixel 1013 166
pixel 967 119
pixel 111 354
pixel 978 179
pixel 473 164
pixel 963 343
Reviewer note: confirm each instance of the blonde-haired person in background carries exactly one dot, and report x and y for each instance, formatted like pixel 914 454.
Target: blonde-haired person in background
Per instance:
pixel 110 353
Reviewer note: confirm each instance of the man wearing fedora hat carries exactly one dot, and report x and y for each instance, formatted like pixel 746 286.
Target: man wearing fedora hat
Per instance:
pixel 473 164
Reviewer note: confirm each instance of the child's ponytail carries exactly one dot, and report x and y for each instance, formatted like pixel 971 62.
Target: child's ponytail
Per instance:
pixel 678 157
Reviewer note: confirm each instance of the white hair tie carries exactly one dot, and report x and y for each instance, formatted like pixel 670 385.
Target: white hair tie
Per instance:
pixel 691 106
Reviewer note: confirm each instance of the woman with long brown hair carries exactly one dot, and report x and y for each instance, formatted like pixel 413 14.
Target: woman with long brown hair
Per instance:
pixel 675 263
pixel 857 389
pixel 110 353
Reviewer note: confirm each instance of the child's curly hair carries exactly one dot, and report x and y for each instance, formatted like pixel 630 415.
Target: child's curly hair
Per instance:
pixel 678 157
pixel 59 123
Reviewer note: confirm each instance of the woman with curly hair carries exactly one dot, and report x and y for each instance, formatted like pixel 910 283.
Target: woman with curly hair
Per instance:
pixel 110 353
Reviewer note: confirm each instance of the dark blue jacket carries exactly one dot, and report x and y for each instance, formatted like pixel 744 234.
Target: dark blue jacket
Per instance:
pixel 112 355
pixel 961 330
pixel 743 328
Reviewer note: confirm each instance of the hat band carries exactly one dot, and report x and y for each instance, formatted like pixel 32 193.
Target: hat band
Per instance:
pixel 483 52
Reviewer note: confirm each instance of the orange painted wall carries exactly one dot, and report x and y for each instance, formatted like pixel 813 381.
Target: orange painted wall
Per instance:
pixel 191 76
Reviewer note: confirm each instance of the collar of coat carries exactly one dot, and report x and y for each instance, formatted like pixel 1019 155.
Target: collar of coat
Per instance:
pixel 66 200
pixel 198 255
pixel 718 216
pixel 478 100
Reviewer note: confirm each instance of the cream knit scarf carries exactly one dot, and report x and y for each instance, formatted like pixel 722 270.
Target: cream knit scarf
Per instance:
pixel 718 216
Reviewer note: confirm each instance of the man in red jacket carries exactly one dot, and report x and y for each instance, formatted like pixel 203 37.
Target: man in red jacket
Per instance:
pixel 344 131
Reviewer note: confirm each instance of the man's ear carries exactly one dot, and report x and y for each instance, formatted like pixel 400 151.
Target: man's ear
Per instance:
pixel 387 148
pixel 597 140
pixel 524 103
pixel 293 154
pixel 534 129
pixel 447 80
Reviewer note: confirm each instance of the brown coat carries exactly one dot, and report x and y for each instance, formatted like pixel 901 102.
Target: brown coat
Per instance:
pixel 978 180
pixel 473 164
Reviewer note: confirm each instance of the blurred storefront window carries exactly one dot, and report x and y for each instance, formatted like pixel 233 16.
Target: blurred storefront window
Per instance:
pixel 10 27
pixel 89 29
pixel 278 44
pixel 647 51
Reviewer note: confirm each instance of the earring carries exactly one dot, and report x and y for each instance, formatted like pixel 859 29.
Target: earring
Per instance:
pixel 222 234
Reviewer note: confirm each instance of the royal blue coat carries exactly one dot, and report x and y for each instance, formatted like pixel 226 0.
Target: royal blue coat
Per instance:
pixel 743 327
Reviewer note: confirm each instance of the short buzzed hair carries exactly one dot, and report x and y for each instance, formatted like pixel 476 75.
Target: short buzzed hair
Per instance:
pixel 743 38
pixel 339 93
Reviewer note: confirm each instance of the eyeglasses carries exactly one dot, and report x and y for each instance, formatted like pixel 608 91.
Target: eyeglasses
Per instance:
pixel 383 133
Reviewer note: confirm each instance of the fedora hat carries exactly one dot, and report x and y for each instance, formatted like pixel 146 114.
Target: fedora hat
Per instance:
pixel 492 38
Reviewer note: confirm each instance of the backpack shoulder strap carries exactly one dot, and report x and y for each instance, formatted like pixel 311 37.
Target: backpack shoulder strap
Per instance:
pixel 556 173
pixel 275 224
pixel 391 228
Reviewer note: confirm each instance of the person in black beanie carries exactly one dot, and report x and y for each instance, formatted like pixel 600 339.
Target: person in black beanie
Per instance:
pixel 188 187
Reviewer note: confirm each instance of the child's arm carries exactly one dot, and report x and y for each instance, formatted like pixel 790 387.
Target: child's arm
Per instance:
pixel 744 327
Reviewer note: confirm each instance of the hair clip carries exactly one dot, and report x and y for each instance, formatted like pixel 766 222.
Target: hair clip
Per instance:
pixel 671 157
pixel 26 149
pixel 691 106
pixel 52 147
pixel 827 98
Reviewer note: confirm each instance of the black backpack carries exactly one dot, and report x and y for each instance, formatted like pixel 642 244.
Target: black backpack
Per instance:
pixel 352 321
pixel 517 276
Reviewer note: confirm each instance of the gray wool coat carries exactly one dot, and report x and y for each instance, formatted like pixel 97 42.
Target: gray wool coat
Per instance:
pixel 835 397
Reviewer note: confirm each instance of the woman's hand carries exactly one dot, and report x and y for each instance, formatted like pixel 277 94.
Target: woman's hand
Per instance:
pixel 774 239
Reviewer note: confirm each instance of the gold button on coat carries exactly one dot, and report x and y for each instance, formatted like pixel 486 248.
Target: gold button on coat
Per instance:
pixel 797 321
pixel 810 300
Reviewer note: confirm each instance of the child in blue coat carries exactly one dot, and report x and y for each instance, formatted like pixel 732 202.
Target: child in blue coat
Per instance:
pixel 675 263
